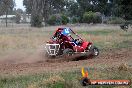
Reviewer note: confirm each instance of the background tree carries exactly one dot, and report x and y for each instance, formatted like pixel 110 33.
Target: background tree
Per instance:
pixel 18 18
pixel 77 8
pixel 73 8
pixel 20 11
pixel 6 6
pixel 28 6
pixel 125 8
pixel 43 8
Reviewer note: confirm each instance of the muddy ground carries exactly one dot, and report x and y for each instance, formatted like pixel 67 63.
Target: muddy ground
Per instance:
pixel 18 64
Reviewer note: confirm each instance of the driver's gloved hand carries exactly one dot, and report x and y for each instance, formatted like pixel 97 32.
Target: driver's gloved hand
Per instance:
pixel 76 41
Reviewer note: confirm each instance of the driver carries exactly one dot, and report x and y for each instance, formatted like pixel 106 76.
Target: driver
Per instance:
pixel 76 41
pixel 57 34
pixel 66 32
pixel 70 38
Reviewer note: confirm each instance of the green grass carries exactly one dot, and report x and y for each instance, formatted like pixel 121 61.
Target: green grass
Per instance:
pixel 124 44
pixel 62 80
pixel 21 81
pixel 29 41
pixel 109 39
pixel 100 32
pixel 15 40
pixel 127 34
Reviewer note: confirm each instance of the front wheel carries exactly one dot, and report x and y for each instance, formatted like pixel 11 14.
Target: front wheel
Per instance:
pixel 95 51
pixel 68 52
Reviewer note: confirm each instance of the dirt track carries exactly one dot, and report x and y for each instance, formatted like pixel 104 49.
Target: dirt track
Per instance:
pixel 110 58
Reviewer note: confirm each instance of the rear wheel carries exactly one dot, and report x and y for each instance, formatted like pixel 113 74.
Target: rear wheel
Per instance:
pixel 68 52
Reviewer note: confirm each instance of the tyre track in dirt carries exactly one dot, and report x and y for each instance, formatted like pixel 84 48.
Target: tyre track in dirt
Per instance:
pixel 109 58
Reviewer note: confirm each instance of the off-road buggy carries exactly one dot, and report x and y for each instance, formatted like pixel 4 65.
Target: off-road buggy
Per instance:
pixel 65 42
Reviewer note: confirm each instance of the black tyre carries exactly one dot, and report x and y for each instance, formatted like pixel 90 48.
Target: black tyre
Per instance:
pixel 95 51
pixel 68 52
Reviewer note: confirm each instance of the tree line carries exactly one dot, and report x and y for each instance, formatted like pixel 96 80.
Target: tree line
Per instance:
pixel 6 6
pixel 57 12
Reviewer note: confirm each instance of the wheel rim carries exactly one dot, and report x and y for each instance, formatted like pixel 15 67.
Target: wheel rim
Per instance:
pixel 96 52
pixel 70 54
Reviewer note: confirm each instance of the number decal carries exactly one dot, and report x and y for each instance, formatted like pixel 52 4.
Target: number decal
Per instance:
pixel 67 31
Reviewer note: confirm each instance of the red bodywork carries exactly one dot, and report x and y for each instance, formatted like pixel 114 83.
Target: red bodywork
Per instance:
pixel 65 42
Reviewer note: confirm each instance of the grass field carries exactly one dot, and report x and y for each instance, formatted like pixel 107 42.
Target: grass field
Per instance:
pixel 28 41
pixel 64 79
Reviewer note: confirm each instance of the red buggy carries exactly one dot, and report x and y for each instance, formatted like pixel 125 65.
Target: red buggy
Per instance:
pixel 66 42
